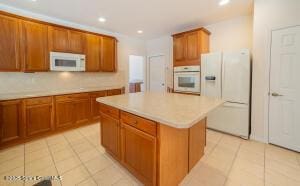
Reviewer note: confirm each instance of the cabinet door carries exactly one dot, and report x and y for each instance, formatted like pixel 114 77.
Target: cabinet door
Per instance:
pixel 95 105
pixel 110 135
pixel 139 153
pixel 11 128
pixel 38 119
pixel 9 44
pixel 108 62
pixel 179 47
pixel 192 50
pixel 93 52
pixel 35 46
pixel 76 42
pixel 65 114
pixel 82 110
pixel 58 39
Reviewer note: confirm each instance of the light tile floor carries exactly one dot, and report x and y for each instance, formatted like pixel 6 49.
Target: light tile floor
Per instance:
pixel 78 157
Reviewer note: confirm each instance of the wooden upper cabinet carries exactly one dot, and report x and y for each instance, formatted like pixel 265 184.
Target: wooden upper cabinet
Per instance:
pixel 93 52
pixel 11 127
pixel 109 49
pixel 65 40
pixel 58 39
pixel 192 46
pixel 179 48
pixel 9 44
pixel 76 42
pixel 188 47
pixel 34 46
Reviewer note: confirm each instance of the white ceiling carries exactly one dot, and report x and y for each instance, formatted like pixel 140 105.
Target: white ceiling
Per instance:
pixel 154 17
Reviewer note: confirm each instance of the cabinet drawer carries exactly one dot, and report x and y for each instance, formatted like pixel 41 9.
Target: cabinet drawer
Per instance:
pixel 111 111
pixel 69 97
pixel 38 101
pixel 98 94
pixel 139 123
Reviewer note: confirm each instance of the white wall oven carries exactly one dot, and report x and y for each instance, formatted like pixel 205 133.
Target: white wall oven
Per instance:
pixel 67 62
pixel 187 79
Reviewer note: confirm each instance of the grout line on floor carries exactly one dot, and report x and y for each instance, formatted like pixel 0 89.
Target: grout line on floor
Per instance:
pixel 80 159
pixel 235 156
pixel 52 159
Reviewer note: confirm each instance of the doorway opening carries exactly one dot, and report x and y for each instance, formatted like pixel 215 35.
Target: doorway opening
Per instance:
pixel 137 74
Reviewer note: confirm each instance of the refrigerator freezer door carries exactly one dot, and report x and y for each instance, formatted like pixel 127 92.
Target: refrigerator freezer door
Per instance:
pixel 211 68
pixel 230 118
pixel 236 77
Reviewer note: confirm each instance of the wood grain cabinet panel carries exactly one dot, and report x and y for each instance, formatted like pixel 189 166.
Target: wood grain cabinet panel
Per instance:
pixel 76 42
pixel 114 92
pixel 35 54
pixel 65 113
pixel 82 110
pixel 9 44
pixel 179 47
pixel 110 135
pixel 139 153
pixel 11 127
pixel 58 39
pixel 108 62
pixel 93 52
pixel 192 46
pixel 38 117
pixel 188 47
pixel 95 106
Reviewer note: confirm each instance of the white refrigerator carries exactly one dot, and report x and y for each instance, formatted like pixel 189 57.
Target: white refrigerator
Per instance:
pixel 228 76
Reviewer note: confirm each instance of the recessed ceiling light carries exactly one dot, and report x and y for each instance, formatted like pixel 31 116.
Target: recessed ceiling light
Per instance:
pixel 224 2
pixel 140 31
pixel 102 19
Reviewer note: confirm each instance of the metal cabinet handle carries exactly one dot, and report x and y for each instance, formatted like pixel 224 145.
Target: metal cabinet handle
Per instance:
pixel 276 94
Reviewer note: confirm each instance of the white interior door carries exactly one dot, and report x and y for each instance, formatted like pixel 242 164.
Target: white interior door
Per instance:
pixel 284 112
pixel 157 70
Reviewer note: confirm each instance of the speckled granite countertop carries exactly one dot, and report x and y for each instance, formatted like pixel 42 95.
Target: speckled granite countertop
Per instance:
pixel 175 110
pixel 22 95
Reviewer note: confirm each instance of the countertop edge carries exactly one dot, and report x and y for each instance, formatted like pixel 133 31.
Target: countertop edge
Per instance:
pixel 162 121
pixel 58 93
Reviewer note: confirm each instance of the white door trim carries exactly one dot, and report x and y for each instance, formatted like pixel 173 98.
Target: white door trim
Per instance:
pixel 148 70
pixel 268 72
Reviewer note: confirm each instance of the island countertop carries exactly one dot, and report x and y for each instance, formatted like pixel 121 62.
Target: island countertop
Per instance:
pixel 175 110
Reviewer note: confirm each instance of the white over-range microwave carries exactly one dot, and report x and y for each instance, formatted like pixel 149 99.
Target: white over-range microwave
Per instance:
pixel 187 79
pixel 67 62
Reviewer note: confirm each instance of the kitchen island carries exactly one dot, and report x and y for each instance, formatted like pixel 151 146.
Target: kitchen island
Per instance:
pixel 159 137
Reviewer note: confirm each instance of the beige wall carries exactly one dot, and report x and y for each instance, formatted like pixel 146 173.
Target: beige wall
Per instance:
pixel 268 15
pixel 231 34
pixel 225 36
pixel 18 82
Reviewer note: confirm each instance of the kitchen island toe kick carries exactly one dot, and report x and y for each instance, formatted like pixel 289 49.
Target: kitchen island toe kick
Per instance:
pixel 156 152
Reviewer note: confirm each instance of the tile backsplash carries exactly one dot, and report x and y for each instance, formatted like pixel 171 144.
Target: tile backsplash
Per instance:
pixel 14 82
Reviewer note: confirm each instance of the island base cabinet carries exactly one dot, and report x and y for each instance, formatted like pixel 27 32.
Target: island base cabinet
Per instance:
pixel 139 153
pixel 110 135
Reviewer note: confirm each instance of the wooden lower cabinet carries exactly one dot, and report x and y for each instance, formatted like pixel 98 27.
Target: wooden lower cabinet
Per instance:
pixel 11 127
pixel 83 111
pixel 23 120
pixel 64 114
pixel 139 153
pixel 95 109
pixel 38 116
pixel 110 135
pixel 157 154
pixel 114 92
